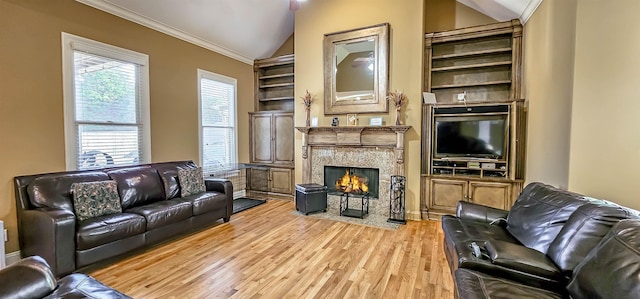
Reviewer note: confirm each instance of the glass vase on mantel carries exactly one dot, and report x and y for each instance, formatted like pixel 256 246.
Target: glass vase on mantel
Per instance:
pixel 307 111
pixel 398 116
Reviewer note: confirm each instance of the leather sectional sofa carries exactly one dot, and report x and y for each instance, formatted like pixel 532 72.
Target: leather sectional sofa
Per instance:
pixel 551 244
pixel 32 278
pixel 152 211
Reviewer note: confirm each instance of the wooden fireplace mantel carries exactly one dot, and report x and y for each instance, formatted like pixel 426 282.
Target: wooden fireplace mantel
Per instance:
pixel 390 137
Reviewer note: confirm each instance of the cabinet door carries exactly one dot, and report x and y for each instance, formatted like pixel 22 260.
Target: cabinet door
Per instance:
pixel 280 181
pixel 490 194
pixel 258 179
pixel 283 138
pixel 261 138
pixel 445 194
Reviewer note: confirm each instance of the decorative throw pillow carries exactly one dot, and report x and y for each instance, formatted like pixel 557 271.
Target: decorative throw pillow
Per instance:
pixel 191 181
pixel 93 199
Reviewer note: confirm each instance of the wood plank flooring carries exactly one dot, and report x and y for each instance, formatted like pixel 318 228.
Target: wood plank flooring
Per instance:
pixel 267 252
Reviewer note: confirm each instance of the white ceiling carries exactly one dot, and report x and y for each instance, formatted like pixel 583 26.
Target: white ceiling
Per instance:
pixel 504 10
pixel 249 29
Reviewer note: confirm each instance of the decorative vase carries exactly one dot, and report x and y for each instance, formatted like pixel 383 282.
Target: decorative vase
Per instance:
pixel 398 117
pixel 307 110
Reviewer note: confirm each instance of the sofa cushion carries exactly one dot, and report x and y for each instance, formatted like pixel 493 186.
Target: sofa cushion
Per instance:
pixel 582 232
pixel 159 214
pixel 106 229
pixel 523 259
pixel 612 268
pixel 205 202
pixel 92 199
pixel 137 185
pixel 472 284
pixel 169 174
pixel 54 190
pixel 191 181
pixel 539 214
pixel 460 230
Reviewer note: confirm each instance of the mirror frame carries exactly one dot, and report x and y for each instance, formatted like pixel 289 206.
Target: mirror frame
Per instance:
pixel 379 103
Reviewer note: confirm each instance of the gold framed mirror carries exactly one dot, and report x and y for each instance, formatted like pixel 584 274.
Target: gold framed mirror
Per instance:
pixel 356 70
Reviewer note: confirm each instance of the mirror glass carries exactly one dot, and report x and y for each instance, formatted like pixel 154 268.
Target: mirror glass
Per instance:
pixel 355 68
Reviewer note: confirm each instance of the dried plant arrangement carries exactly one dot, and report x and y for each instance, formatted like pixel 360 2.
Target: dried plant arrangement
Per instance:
pixel 398 98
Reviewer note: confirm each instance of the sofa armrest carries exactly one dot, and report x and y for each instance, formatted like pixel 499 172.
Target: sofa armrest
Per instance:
pixel 50 233
pixel 223 186
pixel 472 211
pixel 28 278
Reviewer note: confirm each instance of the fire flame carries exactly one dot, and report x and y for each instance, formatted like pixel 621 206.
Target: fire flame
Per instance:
pixel 352 183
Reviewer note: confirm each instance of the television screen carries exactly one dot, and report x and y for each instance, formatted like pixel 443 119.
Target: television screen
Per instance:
pixel 471 136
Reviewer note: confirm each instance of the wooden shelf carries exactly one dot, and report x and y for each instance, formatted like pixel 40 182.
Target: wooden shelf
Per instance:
pixel 274 84
pixel 472 84
pixel 276 76
pixel 276 99
pixel 470 66
pixel 277 85
pixel 472 53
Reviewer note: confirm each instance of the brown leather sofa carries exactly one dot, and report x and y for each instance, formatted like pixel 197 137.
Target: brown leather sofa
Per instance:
pixel 32 278
pixel 152 212
pixel 538 247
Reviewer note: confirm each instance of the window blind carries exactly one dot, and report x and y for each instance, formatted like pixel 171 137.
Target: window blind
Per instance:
pixel 108 122
pixel 218 124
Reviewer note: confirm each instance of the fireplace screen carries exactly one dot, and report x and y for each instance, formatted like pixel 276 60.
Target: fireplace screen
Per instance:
pixel 355 180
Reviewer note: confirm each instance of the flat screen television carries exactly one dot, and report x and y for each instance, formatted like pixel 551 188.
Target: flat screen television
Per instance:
pixel 471 136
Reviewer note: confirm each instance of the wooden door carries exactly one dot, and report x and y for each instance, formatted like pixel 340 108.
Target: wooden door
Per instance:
pixel 260 137
pixel 445 194
pixel 283 135
pixel 492 194
pixel 280 181
pixel 258 179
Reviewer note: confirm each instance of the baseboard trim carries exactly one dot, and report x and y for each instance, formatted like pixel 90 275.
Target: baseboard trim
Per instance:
pixel 12 257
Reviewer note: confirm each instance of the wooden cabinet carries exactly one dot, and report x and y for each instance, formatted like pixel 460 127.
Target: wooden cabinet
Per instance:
pixel 476 76
pixel 281 180
pixel 271 180
pixel 271 128
pixel 272 139
pixel 274 82
pixel 443 194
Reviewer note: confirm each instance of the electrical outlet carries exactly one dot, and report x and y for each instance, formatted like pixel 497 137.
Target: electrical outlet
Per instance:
pixel 6 235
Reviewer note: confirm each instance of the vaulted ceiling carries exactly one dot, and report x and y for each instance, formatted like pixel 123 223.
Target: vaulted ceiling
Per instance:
pixel 250 29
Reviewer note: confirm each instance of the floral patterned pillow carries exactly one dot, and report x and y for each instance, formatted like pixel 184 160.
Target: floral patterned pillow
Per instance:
pixel 191 181
pixel 93 199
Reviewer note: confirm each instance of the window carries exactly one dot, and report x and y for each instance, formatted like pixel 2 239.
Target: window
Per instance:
pixel 218 149
pixel 106 97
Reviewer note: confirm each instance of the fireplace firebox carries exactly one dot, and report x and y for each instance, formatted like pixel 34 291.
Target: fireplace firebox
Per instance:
pixel 352 180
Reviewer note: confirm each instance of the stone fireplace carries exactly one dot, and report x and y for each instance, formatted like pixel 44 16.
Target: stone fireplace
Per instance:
pixel 380 148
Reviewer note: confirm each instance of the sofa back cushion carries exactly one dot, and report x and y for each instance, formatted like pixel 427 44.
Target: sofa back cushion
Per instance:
pixel 169 175
pixel 582 232
pixel 137 185
pixel 54 190
pixel 612 268
pixel 539 214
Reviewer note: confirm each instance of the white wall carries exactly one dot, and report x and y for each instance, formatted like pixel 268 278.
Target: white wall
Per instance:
pixel 549 43
pixel 605 135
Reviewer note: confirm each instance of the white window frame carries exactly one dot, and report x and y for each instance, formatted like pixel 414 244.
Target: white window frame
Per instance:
pixel 72 42
pixel 203 74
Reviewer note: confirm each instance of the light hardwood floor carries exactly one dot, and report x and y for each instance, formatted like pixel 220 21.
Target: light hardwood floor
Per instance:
pixel 267 252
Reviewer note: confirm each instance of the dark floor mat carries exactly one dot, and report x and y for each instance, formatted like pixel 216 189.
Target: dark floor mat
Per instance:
pixel 243 203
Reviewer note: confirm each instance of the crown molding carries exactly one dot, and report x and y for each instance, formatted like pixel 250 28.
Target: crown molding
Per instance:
pixel 529 10
pixel 155 25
